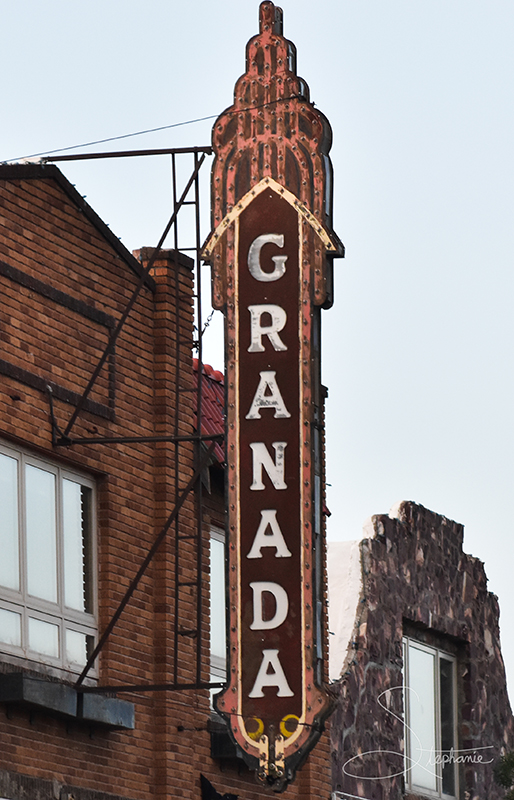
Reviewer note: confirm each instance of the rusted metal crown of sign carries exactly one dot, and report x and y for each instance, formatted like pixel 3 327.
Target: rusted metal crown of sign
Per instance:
pixel 271 250
pixel 271 132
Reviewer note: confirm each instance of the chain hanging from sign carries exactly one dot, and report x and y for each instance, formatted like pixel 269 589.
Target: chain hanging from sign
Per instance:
pixel 271 251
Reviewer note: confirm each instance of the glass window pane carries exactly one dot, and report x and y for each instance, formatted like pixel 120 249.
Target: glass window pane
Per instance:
pixel 41 533
pixel 447 721
pixel 76 513
pixel 10 627
pixel 86 496
pixel 43 637
pixel 9 547
pixel 422 736
pixel 76 647
pixel 218 636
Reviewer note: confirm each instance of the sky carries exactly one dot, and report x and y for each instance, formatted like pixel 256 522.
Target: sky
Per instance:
pixel 417 349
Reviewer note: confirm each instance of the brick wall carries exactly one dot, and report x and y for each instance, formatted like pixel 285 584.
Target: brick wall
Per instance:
pixel 65 280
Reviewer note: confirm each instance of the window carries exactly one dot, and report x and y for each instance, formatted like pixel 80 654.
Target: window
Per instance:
pixel 218 604
pixel 46 578
pixel 430 720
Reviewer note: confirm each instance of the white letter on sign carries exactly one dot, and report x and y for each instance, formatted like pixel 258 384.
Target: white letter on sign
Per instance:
pixel 275 678
pixel 254 257
pixel 278 321
pixel 274 539
pixel 281 605
pixel 261 458
pixel 268 396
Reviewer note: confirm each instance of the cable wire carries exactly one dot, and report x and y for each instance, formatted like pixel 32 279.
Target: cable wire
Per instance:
pixel 149 130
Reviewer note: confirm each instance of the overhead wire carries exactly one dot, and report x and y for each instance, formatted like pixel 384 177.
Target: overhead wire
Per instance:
pixel 148 130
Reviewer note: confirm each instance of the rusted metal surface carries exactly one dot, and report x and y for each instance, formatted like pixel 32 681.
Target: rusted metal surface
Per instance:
pixel 119 327
pixel 147 439
pixel 161 151
pixel 146 687
pixel 186 627
pixel 271 130
pixel 173 517
pixel 271 249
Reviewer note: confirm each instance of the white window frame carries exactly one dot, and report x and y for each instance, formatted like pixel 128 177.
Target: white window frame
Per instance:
pixel 29 607
pixel 218 663
pixel 431 761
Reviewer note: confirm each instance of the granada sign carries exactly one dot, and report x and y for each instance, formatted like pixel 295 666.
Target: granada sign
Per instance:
pixel 271 276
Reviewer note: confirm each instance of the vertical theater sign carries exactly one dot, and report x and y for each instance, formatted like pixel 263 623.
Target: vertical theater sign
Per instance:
pixel 271 251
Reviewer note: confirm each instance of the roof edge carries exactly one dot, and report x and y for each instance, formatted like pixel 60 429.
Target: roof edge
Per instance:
pixel 10 172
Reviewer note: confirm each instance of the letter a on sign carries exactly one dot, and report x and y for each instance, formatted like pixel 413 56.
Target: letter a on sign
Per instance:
pixel 276 678
pixel 274 539
pixel 268 396
pixel 271 252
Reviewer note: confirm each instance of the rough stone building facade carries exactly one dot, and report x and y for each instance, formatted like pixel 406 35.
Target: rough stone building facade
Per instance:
pixel 424 620
pixel 80 517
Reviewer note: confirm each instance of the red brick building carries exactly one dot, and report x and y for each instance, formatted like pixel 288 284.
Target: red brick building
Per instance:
pixel 84 498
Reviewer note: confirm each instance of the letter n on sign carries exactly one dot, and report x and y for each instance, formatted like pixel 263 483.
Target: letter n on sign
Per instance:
pixel 271 252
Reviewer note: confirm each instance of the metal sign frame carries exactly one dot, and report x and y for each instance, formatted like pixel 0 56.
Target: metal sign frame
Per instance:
pixel 271 250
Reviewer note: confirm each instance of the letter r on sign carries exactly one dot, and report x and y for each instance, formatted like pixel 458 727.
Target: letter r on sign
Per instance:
pixel 258 330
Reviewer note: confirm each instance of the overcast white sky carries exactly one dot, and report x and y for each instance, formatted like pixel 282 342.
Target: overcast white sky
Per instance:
pixel 420 95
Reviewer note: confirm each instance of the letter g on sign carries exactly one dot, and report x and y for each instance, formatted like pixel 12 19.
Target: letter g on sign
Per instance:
pixel 254 257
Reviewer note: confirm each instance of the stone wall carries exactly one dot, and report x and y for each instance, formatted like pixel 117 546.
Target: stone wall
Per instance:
pixel 417 581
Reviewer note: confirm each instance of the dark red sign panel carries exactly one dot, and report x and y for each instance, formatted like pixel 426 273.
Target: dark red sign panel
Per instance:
pixel 269 452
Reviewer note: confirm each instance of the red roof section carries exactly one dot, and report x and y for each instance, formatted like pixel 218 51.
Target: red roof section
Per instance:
pixel 213 404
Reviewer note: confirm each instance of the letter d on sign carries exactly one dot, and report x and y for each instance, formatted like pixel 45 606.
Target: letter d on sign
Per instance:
pixel 281 605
